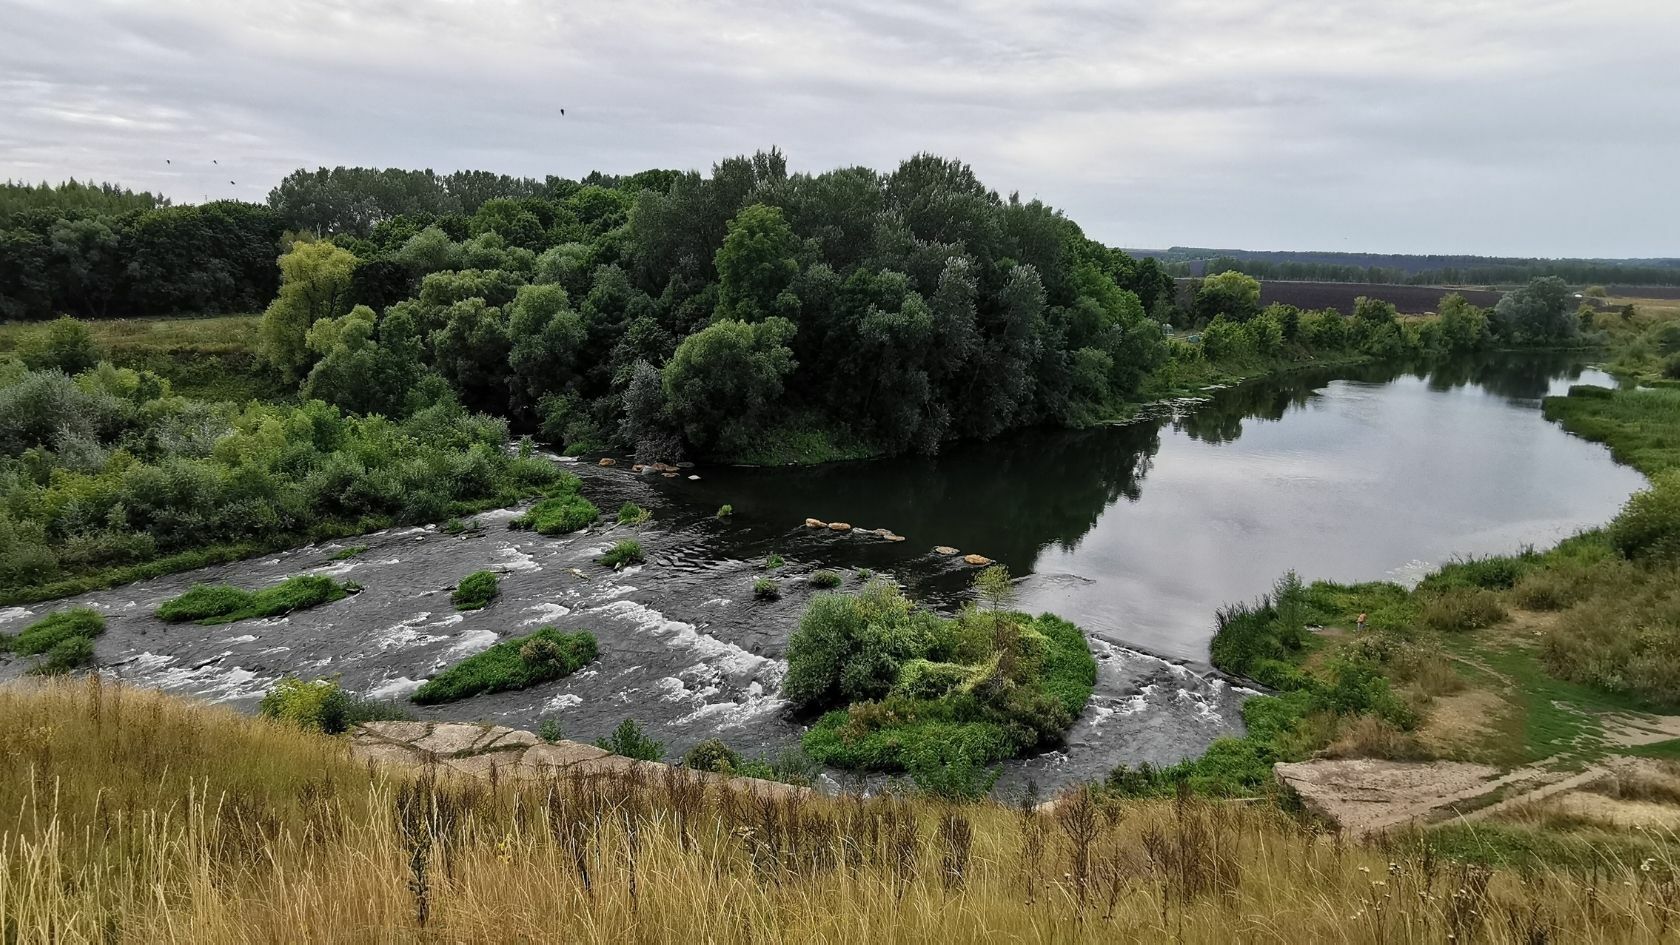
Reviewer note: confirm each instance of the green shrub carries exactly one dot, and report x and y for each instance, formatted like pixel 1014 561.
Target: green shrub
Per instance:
pixel 725 510
pixel 1462 609
pixel 59 627
pixel 549 731
pixel 349 552
pixel 628 551
pixel 825 579
pixel 713 755
pixel 632 514
pixel 630 741
pixel 514 663
pixel 766 589
pixel 320 705
pixel 864 575
pixel 559 515
pixel 1671 367
pixel 1648 527
pixel 68 654
pixel 773 562
pixel 63 344
pixel 475 591
pixel 213 604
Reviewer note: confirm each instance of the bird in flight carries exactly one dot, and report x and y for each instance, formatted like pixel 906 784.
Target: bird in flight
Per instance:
pixel 562 111
pixel 214 161
pixel 234 183
pixel 168 161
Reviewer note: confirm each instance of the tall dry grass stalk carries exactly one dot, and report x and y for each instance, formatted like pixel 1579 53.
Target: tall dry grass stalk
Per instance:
pixel 130 816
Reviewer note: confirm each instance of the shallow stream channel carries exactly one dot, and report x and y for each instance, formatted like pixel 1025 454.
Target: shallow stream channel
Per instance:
pixel 1136 532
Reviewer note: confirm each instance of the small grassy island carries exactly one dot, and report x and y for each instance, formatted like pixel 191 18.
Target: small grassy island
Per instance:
pixel 903 689
pixel 514 663
pixel 211 604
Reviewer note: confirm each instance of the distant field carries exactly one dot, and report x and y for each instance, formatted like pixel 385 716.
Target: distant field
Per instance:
pixel 209 357
pixel 1645 291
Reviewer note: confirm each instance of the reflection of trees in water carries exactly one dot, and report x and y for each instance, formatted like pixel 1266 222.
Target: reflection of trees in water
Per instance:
pixel 1014 496
pixel 1005 499
pixel 1220 419
pixel 1521 378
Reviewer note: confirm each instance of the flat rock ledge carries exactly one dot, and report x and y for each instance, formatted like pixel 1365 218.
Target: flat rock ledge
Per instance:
pixel 496 751
pixel 1365 796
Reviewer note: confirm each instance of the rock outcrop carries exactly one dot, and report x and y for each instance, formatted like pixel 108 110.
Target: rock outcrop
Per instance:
pixel 477 750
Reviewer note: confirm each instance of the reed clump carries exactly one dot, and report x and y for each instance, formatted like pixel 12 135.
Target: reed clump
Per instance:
pixel 132 816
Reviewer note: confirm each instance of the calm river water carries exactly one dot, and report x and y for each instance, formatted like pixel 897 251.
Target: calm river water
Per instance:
pixel 1135 532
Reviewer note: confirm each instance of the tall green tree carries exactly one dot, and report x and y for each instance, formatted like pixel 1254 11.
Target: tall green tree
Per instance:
pixel 757 263
pixel 723 382
pixel 314 284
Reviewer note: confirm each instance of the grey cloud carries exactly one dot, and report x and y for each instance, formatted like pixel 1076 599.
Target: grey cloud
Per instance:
pixel 1429 125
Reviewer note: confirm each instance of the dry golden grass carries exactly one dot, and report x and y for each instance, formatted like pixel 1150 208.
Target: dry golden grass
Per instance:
pixel 130 816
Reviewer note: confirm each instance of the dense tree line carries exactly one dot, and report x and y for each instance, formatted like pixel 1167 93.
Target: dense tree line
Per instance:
pixel 189 260
pixel 746 312
pixel 355 200
pixel 73 196
pixel 1435 270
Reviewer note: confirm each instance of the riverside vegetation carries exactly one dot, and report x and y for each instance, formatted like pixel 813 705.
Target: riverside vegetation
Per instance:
pixel 1549 646
pixel 750 315
pixel 134 816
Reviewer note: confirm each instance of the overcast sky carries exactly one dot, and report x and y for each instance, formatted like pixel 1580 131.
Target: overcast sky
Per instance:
pixel 1530 127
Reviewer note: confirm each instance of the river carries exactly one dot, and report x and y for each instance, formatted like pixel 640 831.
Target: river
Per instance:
pixel 1135 532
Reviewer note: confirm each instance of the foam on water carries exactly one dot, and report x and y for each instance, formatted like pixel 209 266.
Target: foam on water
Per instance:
pixel 545 613
pixel 473 641
pixel 510 558
pixel 396 687
pixel 679 633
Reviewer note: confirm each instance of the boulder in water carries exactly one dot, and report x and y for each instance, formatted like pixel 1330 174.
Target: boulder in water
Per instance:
pixel 978 561
pixel 607 461
pixel 944 549
pixel 839 527
pixel 815 523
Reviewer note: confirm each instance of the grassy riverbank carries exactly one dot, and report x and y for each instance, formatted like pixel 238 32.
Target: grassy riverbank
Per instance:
pixel 1557 659
pixel 134 816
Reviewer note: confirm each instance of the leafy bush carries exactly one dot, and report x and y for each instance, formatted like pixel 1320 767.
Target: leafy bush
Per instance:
pixel 1272 629
pixel 549 731
pixel 629 740
pixel 725 510
pixel 63 344
pixel 628 551
pixel 59 627
pixel 825 580
pixel 864 574
pixel 211 604
pixel 1648 527
pixel 131 481
pixel 1462 609
pixel 712 755
pixel 942 699
pixel 559 515
pixel 320 705
pixel 632 514
pixel 65 655
pixel 766 589
pixel 773 562
pixel 475 591
pixel 514 663
pixel 348 553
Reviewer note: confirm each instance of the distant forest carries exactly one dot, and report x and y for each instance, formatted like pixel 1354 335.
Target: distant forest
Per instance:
pixel 1397 269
